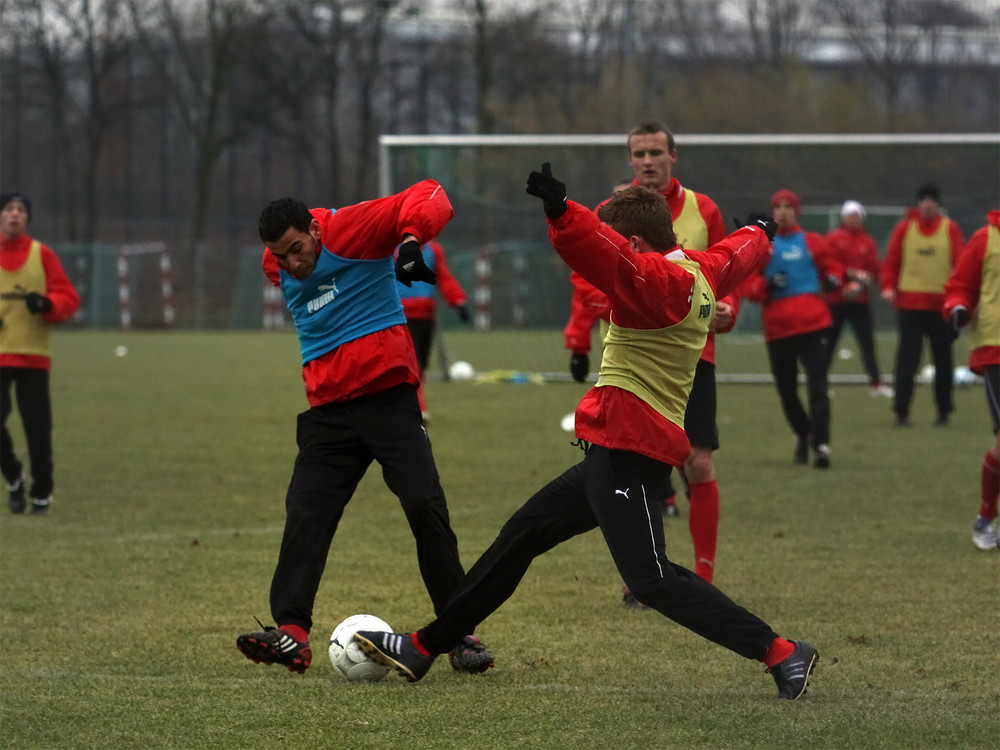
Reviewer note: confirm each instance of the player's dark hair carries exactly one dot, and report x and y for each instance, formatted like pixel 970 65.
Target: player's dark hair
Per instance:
pixel 642 212
pixel 279 215
pixel 651 128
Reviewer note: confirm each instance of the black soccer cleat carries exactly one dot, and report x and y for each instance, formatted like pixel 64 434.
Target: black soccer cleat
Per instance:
pixel 395 651
pixel 275 646
pixel 17 500
pixel 792 675
pixel 470 656
pixel 801 455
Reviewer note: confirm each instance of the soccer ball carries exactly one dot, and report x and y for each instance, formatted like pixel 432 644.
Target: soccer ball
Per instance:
pixel 461 371
pixel 349 660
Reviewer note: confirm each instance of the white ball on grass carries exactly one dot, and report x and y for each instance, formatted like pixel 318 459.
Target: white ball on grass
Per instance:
pixel 461 371
pixel 347 658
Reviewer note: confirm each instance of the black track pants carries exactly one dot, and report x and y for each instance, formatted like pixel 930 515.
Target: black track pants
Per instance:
pixel 621 492
pixel 337 443
pixel 34 406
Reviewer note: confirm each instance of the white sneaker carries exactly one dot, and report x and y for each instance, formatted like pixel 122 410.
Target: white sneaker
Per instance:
pixel 882 391
pixel 984 534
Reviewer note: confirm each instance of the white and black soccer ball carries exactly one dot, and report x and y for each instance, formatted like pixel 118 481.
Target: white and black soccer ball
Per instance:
pixel 349 660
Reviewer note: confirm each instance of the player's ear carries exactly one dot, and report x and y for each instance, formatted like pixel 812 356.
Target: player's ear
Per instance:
pixel 314 229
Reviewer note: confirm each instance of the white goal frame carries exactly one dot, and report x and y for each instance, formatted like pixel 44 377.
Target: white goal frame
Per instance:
pixel 388 142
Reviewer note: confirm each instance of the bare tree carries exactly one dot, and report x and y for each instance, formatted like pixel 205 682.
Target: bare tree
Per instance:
pixel 896 39
pixel 78 47
pixel 198 52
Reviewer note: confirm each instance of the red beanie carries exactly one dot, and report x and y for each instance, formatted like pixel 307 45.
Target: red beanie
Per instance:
pixel 786 196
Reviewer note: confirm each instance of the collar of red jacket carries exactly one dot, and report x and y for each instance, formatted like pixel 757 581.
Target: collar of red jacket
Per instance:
pixel 15 244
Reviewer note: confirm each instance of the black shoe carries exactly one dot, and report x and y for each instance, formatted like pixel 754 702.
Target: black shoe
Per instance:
pixel 275 646
pixel 470 656
pixel 941 421
pixel 792 675
pixel 17 500
pixel 396 651
pixel 801 455
pixel 40 506
pixel 902 420
pixel 822 459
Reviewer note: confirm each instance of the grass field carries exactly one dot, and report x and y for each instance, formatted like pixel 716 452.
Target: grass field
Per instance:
pixel 119 611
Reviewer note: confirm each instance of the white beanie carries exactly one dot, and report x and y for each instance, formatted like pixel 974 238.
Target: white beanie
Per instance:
pixel 852 207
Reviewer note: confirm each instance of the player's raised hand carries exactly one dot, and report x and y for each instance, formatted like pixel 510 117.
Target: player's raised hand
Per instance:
pixel 552 192
pixel 763 221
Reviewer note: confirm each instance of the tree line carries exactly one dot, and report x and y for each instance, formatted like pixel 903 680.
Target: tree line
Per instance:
pixel 130 120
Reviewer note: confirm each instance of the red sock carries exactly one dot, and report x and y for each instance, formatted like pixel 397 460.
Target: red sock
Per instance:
pixel 991 486
pixel 299 634
pixel 703 520
pixel 777 652
pixel 415 640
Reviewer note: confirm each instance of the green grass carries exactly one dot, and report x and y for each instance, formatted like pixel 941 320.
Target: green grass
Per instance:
pixel 119 611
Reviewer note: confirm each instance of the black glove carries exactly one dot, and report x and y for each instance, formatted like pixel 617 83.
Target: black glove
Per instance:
pixel 410 265
pixel 38 303
pixel 959 317
pixel 579 367
pixel 463 313
pixel 552 192
pixel 778 281
pixel 764 221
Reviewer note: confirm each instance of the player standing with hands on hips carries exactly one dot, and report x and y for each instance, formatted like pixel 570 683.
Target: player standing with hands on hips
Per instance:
pixel 335 270
pixel 972 298
pixel 630 426
pixel 35 294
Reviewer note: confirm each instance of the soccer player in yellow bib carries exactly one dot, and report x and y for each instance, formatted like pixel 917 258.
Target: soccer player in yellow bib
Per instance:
pixel 972 298
pixel 631 428
pixel 923 248
pixel 35 293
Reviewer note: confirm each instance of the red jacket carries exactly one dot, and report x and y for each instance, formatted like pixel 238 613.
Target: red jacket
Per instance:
pixel 589 304
pixel 425 308
pixel 371 229
pixel 964 285
pixel 58 288
pixel 857 252
pixel 893 262
pixel 802 313
pixel 646 291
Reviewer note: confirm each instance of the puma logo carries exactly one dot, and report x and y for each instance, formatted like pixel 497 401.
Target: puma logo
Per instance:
pixel 622 492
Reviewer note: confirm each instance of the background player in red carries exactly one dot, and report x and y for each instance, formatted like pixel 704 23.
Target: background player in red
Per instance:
pixel 796 320
pixel 335 271
pixel 856 250
pixel 630 426
pixel 420 307
pixel 35 293
pixel 697 224
pixel 923 249
pixel 972 298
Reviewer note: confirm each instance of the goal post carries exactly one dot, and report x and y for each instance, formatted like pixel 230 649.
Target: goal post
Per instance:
pixel 525 293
